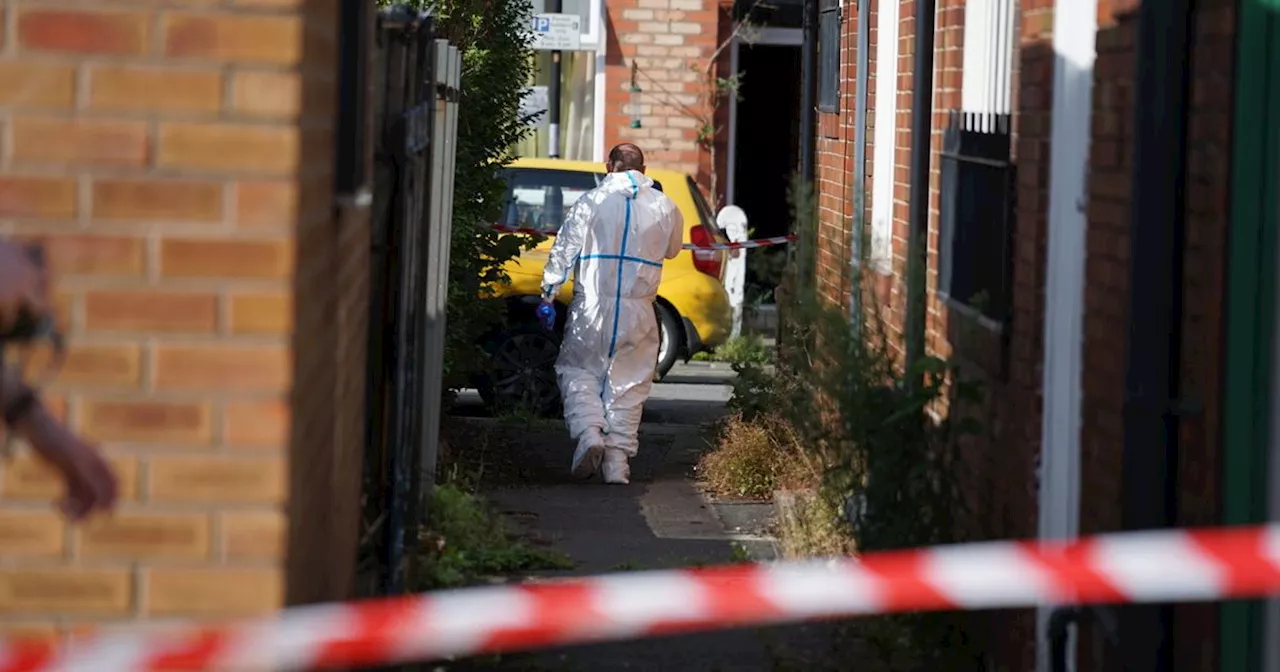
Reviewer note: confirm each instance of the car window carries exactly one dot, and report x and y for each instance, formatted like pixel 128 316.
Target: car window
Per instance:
pixel 704 209
pixel 538 198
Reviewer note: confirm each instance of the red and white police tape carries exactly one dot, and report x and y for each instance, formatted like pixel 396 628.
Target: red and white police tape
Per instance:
pixel 746 244
pixel 1162 566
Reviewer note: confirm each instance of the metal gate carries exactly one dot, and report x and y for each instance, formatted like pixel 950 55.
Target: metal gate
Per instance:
pixel 415 84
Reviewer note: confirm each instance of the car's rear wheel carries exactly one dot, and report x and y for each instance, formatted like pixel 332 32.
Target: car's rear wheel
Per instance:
pixel 670 339
pixel 522 374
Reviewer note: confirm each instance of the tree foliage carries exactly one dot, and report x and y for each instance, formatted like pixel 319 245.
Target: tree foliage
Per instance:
pixel 494 39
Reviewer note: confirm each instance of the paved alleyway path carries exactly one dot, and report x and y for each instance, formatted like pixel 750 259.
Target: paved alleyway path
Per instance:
pixel 659 521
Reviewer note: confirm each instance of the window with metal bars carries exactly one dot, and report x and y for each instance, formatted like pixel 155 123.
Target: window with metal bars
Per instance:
pixel 829 56
pixel 975 260
pixel 976 247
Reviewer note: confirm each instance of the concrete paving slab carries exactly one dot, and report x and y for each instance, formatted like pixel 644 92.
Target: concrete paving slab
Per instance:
pixel 661 520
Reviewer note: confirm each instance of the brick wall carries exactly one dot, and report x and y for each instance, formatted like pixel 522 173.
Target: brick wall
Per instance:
pixel 1207 193
pixel 833 174
pixel 1001 469
pixel 672 42
pixel 176 160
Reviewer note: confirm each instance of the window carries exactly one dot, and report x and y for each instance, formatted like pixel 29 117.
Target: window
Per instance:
pixel 539 198
pixel 829 56
pixel 976 247
pixel 704 208
pixel 577 107
pixel 975 267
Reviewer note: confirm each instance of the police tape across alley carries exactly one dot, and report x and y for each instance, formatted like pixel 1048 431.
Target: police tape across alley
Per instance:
pixel 1158 566
pixel 743 245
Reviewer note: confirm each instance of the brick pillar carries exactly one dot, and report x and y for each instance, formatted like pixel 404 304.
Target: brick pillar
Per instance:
pixel 176 160
pixel 671 42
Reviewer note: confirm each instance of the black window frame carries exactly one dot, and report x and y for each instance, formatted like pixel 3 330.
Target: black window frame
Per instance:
pixel 977 208
pixel 829 29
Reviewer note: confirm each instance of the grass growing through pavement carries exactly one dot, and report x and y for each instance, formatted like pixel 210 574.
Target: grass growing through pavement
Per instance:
pixel 744 349
pixel 465 542
pixel 753 458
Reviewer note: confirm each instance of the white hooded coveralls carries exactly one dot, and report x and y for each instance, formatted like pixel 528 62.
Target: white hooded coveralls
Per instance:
pixel 614 240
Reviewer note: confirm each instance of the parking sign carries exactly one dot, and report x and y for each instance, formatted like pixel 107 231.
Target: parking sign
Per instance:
pixel 557 32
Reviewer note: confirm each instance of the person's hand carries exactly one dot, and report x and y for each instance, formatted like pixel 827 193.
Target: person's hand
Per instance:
pixel 91 485
pixel 547 314
pixel 24 286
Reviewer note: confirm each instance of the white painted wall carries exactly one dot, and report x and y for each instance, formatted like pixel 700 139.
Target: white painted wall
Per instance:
pixel 1074 36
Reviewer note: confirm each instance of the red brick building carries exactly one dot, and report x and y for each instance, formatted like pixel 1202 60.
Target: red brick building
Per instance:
pixel 645 73
pixel 1100 225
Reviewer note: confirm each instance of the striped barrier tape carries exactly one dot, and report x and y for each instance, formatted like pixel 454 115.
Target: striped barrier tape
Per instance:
pixel 746 244
pixel 1163 566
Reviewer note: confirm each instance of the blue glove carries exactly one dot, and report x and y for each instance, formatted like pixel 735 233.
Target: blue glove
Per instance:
pixel 547 315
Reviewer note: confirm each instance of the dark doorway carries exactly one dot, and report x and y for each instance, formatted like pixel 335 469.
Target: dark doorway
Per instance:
pixel 766 154
pixel 767 139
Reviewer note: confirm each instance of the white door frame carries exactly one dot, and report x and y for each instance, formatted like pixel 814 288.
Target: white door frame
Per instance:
pixel 1074 43
pixel 602 89
pixel 774 37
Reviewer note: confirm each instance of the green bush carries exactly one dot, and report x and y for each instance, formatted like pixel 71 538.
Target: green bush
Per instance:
pixel 744 349
pixel 497 63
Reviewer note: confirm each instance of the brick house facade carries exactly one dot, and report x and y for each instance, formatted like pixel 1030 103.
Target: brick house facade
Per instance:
pixel 177 160
pixel 664 47
pixel 1009 355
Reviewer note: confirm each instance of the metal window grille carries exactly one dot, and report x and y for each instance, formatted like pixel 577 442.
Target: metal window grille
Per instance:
pixel 976 247
pixel 829 56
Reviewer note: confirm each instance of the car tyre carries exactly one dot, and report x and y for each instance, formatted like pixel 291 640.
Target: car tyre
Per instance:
pixel 670 340
pixel 522 373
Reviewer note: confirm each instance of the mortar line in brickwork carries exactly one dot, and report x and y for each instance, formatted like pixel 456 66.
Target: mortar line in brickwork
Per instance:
pixel 141 591
pixel 83 87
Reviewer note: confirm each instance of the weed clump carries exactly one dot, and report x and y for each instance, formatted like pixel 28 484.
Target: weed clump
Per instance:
pixel 744 349
pixel 465 542
pixel 881 437
pixel 754 458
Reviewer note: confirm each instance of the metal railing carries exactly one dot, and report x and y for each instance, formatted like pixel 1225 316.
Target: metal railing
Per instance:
pixel 416 79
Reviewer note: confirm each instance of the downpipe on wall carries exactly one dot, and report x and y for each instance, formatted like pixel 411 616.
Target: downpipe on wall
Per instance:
pixel 1150 459
pixel 918 203
pixel 858 190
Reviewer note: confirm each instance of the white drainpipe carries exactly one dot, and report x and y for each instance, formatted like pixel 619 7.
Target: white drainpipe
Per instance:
pixel 1074 33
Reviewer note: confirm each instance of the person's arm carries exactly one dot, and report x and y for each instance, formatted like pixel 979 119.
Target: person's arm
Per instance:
pixel 564 252
pixel 90 483
pixel 676 220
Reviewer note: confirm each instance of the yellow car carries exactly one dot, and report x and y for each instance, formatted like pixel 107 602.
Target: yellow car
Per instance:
pixel 692 307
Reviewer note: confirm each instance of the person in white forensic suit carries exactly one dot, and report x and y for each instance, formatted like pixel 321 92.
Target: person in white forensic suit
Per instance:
pixel 614 240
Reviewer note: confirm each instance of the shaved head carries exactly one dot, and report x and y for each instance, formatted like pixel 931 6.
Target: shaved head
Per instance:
pixel 625 156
